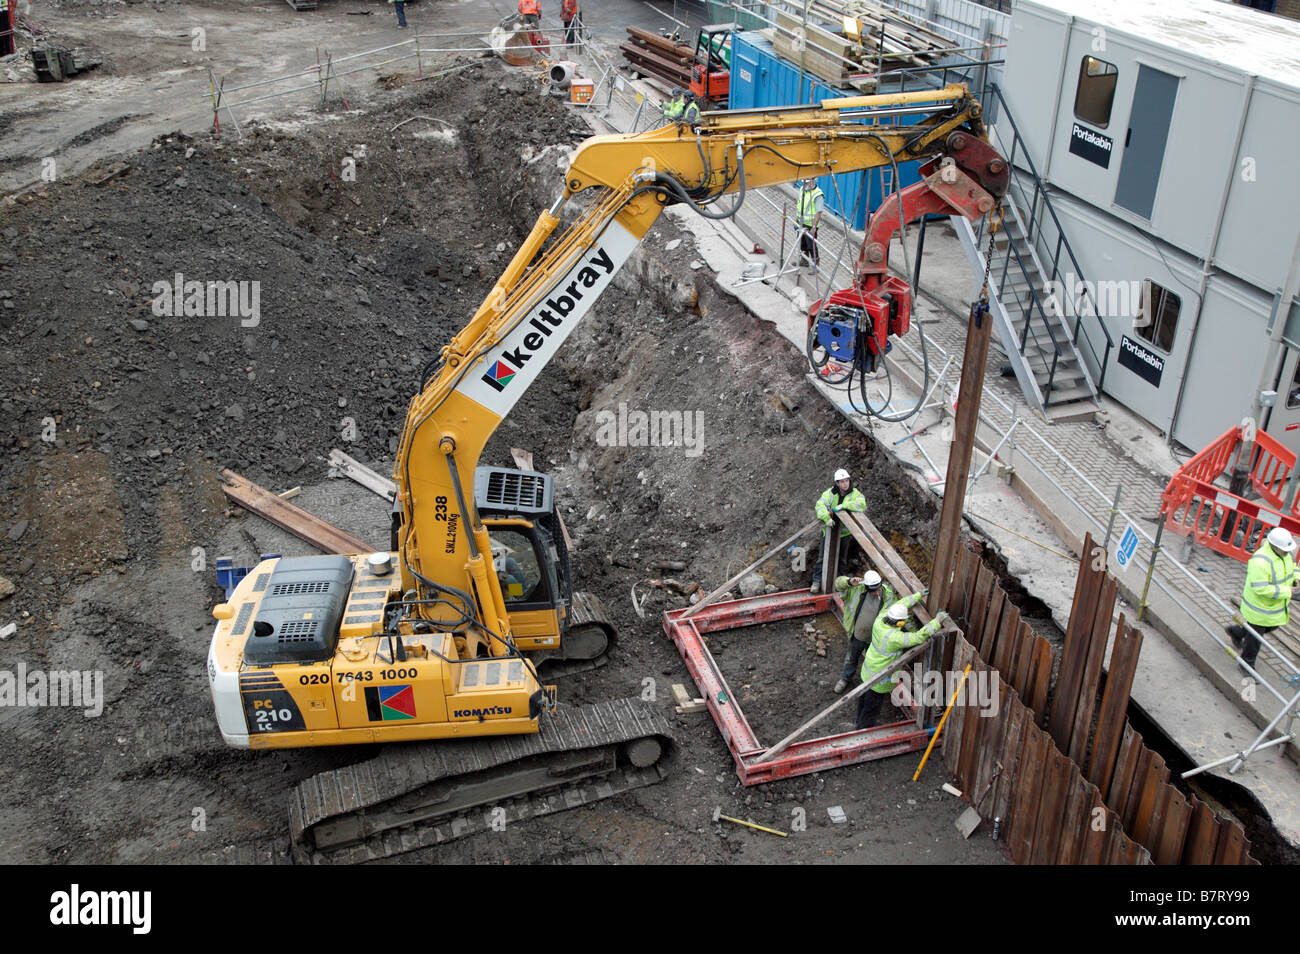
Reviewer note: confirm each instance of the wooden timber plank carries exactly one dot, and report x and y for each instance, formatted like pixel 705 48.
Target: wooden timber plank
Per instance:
pixel 355 470
pixel 1173 834
pixel 1074 822
pixel 1051 812
pixel 985 580
pixel 1202 835
pixel 992 620
pixel 1077 636
pixel 1029 785
pixel 1114 704
pixel 1040 675
pixel 323 536
pixel 1125 764
pixel 1098 636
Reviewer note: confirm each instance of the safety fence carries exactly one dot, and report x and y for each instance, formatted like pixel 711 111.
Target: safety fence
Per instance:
pixel 1070 782
pixel 1220 519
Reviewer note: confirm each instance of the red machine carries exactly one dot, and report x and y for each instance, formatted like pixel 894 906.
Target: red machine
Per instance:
pixel 853 325
pixel 710 73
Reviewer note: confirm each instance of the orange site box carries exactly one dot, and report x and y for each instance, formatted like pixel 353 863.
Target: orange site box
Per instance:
pixel 580 91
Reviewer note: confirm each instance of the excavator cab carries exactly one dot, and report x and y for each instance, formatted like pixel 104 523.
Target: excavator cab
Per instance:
pixel 568 631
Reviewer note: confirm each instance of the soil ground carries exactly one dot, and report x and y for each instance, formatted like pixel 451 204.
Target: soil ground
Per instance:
pixel 117 421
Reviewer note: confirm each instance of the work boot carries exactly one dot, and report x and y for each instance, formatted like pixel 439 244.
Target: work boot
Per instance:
pixel 841 686
pixel 816 587
pixel 1234 634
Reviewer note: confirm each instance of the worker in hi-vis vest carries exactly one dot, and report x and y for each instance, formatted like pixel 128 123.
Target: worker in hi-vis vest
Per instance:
pixel 862 598
pixel 808 215
pixel 1266 597
pixel 841 495
pixel 890 638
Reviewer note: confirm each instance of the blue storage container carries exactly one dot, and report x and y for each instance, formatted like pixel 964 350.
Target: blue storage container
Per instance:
pixel 759 77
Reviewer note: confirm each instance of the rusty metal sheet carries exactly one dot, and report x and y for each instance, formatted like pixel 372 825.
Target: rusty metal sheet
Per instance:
pixel 1028 795
pixel 1080 796
pixel 989 735
pixel 999 803
pixel 1231 849
pixel 1051 810
pixel 977 611
pixel 992 619
pixel 959 595
pixel 950 742
pixel 966 760
pixel 1202 835
pixel 1097 823
pixel 1175 814
pixel 1114 704
pixel 1125 763
pixel 1078 635
pixel 1090 680
pixel 1040 675
pixel 1004 648
pixel 1020 675
pixel 1142 780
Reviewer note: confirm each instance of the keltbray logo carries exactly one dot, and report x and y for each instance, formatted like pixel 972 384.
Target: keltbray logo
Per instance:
pixel 390 703
pixel 499 376
pixel 533 333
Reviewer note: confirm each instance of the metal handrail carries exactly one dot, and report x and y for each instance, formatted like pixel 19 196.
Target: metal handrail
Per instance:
pixel 1062 242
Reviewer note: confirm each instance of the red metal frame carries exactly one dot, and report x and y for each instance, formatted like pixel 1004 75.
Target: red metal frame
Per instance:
pixel 1225 522
pixel 804 756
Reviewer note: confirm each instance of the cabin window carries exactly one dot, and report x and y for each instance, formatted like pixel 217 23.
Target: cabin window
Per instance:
pixel 1096 93
pixel 1157 321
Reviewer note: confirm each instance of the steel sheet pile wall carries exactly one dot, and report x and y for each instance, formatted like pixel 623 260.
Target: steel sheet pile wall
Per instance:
pixel 1073 783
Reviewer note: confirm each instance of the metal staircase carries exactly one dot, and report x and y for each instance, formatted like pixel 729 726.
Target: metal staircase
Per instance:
pixel 1058 348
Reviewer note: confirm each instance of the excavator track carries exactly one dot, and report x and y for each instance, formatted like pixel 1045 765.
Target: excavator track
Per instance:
pixel 586 642
pixel 418 795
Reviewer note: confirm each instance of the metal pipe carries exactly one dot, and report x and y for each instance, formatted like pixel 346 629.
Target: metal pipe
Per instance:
pixel 1110 525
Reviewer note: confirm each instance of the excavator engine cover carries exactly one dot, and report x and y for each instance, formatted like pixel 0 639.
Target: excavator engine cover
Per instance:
pixel 298 620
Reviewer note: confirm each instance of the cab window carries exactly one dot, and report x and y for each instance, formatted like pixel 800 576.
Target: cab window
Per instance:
pixel 516 566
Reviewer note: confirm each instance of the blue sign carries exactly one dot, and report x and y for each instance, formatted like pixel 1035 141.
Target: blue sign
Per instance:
pixel 1128 545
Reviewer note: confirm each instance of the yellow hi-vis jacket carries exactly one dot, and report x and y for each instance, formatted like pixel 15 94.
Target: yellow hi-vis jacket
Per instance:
pixel 1267 594
pixel 808 205
pixel 888 642
pixel 853 500
pixel 858 622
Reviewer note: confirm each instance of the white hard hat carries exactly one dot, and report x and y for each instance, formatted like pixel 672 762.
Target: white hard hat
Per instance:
pixel 1281 540
pixel 872 579
pixel 897 612
pixel 841 474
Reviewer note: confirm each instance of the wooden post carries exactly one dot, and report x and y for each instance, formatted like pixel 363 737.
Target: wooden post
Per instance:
pixel 978 327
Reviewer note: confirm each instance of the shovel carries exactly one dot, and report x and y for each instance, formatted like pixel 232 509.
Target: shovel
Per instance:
pixel 969 820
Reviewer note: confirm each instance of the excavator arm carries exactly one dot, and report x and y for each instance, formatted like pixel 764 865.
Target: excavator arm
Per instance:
pixel 553 280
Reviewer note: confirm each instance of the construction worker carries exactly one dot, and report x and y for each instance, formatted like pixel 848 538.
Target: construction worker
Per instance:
pixel 889 639
pixel 812 202
pixel 691 114
pixel 675 107
pixel 862 597
pixel 530 11
pixel 572 20
pixel 841 495
pixel 399 7
pixel 1266 596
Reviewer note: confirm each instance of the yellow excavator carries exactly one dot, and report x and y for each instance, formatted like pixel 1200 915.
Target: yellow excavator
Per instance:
pixel 442 636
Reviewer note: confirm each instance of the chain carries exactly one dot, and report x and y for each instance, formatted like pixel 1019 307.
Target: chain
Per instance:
pixel 995 223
